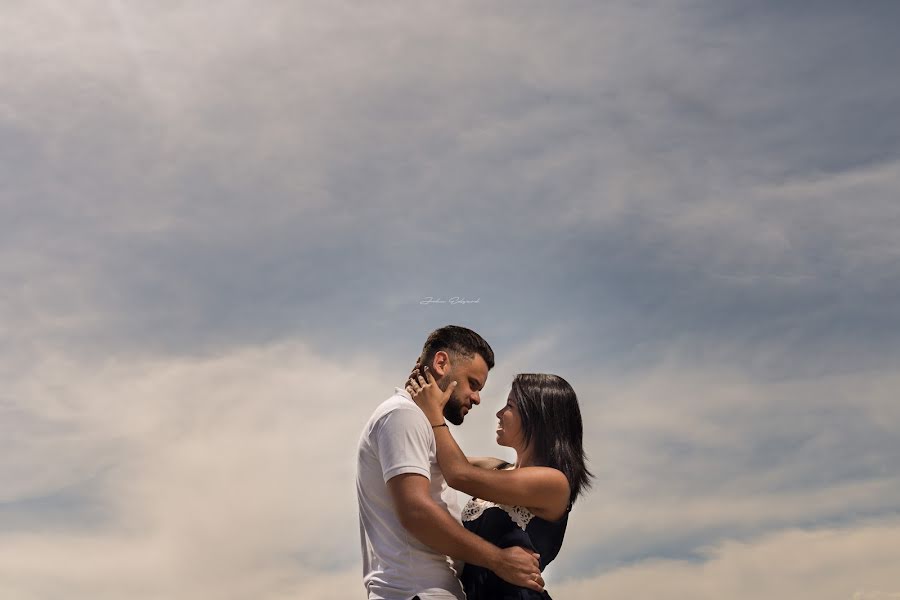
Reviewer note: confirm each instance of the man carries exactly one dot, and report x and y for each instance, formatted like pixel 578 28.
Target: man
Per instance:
pixel 409 519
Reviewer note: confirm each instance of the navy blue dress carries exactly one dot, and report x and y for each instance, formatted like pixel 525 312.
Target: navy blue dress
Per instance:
pixel 506 526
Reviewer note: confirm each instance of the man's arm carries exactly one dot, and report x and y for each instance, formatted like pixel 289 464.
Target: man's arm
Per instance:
pixel 436 528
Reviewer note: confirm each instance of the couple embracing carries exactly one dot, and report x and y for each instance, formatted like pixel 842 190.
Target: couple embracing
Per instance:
pixel 417 542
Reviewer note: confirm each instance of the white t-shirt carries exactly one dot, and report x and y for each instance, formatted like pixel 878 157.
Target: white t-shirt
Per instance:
pixel 398 439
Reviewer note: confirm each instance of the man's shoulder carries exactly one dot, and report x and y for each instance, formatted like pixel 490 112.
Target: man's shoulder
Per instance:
pixel 397 404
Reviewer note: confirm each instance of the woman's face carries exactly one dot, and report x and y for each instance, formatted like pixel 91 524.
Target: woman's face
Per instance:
pixel 509 427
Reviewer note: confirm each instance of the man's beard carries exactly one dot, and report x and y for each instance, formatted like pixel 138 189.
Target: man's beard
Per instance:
pixel 453 408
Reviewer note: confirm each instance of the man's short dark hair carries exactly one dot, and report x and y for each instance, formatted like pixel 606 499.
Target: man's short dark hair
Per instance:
pixel 458 341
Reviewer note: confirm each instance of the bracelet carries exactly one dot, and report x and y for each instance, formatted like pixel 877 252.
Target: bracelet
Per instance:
pixel 441 425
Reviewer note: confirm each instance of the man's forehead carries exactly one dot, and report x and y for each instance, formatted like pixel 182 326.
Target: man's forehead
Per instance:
pixel 475 367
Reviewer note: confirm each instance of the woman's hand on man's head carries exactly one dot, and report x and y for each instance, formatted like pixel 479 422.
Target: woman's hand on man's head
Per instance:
pixel 428 396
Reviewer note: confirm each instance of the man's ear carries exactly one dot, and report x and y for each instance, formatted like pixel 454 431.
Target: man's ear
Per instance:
pixel 441 364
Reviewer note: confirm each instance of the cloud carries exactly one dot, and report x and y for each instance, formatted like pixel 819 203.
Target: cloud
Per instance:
pixel 685 458
pixel 221 477
pixel 853 563
pixel 185 178
pixel 209 221
pixel 231 475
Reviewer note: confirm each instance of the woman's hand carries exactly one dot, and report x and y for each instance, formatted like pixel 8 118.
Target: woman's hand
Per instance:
pixel 428 396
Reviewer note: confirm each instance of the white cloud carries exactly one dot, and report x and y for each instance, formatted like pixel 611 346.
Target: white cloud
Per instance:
pixel 853 563
pixel 686 456
pixel 219 477
pixel 232 475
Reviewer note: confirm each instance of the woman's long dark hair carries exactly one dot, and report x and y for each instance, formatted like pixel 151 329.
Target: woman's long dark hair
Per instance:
pixel 552 420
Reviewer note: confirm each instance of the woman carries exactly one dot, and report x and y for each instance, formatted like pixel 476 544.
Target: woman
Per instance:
pixel 524 504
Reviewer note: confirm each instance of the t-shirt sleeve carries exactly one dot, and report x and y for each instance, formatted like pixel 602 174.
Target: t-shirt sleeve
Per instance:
pixel 403 441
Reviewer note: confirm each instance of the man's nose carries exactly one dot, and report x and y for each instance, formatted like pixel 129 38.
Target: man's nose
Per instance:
pixel 476 399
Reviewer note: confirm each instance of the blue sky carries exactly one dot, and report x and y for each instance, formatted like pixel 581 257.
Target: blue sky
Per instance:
pixel 219 222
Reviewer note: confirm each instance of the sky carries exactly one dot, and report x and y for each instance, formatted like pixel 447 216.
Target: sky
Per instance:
pixel 220 222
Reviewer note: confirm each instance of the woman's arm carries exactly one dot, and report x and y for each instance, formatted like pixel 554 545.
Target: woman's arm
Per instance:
pixel 486 462
pixel 532 487
pixel 541 488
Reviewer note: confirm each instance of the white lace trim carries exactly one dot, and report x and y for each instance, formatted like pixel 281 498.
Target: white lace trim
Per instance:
pixel 476 506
